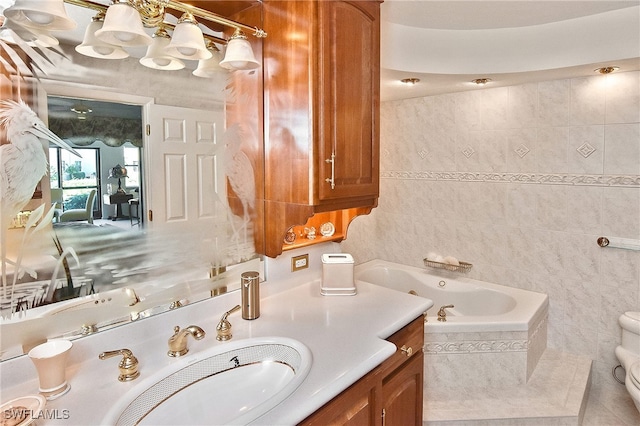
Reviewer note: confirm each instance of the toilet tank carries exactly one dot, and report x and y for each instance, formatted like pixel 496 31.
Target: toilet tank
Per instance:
pixel 630 323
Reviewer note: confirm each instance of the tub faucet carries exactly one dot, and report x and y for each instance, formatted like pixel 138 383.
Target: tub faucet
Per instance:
pixel 442 314
pixel 178 342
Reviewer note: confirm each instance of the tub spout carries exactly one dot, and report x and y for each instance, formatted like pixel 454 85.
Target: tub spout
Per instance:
pixel 442 314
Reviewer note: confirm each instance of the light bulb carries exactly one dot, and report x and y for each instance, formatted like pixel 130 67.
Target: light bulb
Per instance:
pixel 163 62
pixel 126 37
pixel 38 17
pixel 104 50
pixel 187 51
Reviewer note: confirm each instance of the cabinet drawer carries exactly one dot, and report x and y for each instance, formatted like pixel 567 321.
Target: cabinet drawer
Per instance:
pixel 411 338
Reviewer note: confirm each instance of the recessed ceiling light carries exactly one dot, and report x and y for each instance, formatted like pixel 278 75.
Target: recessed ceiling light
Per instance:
pixel 606 70
pixel 410 81
pixel 481 81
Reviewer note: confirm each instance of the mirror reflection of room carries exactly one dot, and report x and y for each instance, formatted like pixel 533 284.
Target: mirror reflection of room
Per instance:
pixel 103 187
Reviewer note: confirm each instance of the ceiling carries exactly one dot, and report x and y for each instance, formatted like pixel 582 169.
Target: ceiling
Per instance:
pixel 446 44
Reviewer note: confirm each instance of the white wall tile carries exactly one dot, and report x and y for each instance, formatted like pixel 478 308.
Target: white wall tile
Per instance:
pixel 528 221
pixel 587 95
pixel 623 98
pixel 622 149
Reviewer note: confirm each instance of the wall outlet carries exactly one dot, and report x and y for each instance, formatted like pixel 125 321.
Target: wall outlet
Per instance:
pixel 299 262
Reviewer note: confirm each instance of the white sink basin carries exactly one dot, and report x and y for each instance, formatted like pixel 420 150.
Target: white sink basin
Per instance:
pixel 232 383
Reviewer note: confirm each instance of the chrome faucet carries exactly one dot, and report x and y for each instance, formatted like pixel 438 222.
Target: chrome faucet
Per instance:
pixel 442 314
pixel 178 342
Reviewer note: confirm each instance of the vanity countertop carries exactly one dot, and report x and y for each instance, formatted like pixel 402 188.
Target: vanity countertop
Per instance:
pixel 344 333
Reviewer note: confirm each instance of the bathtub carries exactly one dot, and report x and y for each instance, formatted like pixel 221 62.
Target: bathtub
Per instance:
pixel 494 333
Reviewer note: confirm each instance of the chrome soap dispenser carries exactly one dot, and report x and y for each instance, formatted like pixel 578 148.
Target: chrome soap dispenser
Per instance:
pixel 250 290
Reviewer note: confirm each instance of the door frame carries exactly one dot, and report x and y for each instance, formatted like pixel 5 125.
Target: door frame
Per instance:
pixel 84 91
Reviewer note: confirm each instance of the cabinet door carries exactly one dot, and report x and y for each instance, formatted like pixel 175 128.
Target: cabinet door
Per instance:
pixel 402 394
pixel 349 84
pixel 356 406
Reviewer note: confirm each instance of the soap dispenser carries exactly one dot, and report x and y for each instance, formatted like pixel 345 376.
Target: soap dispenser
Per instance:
pixel 250 293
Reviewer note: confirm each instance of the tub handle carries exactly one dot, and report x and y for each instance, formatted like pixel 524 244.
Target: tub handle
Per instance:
pixel 442 314
pixel 408 351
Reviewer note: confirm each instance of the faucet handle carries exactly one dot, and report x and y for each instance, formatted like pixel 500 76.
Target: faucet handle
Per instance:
pixel 442 314
pixel 128 366
pixel 224 327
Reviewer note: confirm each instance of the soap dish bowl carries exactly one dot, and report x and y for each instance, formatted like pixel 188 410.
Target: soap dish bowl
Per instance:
pixel 462 267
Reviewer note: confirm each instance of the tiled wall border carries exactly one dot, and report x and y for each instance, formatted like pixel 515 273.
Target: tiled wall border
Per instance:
pixel 480 346
pixel 485 346
pixel 627 181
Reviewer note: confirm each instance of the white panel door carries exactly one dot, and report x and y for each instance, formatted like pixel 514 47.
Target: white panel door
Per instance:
pixel 185 184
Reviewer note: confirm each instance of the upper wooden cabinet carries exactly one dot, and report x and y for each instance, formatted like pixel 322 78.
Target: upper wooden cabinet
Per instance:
pixel 322 107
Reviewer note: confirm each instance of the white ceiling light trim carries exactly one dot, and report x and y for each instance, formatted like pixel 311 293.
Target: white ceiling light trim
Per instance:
pixel 607 36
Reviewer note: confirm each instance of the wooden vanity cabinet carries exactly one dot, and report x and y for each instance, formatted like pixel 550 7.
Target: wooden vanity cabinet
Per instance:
pixel 322 107
pixel 389 395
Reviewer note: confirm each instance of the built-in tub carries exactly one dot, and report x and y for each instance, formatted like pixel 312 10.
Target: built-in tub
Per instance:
pixel 494 333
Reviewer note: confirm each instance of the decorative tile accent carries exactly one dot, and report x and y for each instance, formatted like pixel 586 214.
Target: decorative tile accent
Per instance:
pixel 476 346
pixel 629 181
pixel 522 150
pixel 423 153
pixel 585 149
pixel 468 151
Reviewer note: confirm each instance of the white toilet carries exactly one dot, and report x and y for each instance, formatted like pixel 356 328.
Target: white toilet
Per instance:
pixel 628 353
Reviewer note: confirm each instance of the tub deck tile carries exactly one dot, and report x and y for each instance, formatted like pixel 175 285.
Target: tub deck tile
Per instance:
pixel 555 394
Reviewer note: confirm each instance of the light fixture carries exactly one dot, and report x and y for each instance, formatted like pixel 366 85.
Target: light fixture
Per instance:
pixel 410 81
pixel 239 55
pixel 123 26
pixel 157 56
pixel 123 23
pixel 82 110
pixel 187 41
pixel 607 70
pixel 94 47
pixel 50 15
pixel 481 81
pixel 208 68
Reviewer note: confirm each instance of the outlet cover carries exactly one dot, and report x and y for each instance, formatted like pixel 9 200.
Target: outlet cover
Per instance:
pixel 299 262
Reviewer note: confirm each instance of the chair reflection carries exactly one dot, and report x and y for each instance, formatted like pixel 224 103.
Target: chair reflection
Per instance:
pixel 80 214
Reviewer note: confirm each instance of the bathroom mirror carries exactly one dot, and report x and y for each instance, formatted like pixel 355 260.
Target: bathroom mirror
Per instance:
pixel 196 213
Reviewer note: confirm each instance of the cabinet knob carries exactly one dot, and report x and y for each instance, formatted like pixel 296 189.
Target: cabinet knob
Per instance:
pixel 408 351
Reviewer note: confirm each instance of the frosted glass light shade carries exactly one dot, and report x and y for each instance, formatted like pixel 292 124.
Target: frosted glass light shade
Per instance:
pixel 32 36
pixel 94 47
pixel 208 68
pixel 239 54
pixel 47 15
pixel 187 41
pixel 157 56
pixel 123 27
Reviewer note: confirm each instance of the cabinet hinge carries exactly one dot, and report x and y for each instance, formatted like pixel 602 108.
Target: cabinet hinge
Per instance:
pixel 150 215
pixel 384 413
pixel 148 129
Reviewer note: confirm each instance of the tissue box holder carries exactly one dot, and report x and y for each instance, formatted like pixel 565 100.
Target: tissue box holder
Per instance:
pixel 337 275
